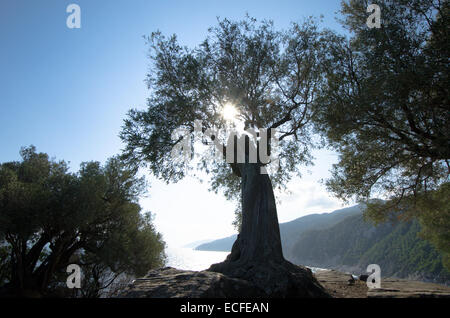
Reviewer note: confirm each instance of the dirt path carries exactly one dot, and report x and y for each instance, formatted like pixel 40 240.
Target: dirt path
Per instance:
pixel 340 285
pixel 337 284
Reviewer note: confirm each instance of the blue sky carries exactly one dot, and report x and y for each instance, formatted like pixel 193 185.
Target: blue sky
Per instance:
pixel 67 91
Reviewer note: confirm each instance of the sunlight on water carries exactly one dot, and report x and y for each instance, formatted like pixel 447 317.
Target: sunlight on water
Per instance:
pixel 189 259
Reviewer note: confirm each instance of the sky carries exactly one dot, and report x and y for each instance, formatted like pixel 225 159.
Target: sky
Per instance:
pixel 67 91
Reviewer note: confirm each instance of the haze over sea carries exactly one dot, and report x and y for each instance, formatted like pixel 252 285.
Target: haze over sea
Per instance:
pixel 191 259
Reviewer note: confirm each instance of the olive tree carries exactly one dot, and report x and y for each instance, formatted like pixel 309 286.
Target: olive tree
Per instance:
pixel 50 218
pixel 270 80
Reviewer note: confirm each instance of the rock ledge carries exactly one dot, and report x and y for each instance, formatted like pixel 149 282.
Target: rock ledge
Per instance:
pixel 169 282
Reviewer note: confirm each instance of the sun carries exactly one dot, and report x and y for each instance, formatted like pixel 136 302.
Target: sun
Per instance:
pixel 229 112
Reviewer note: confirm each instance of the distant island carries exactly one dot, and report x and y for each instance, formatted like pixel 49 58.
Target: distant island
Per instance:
pixel 342 240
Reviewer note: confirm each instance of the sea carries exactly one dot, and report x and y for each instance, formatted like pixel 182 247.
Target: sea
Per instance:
pixel 191 259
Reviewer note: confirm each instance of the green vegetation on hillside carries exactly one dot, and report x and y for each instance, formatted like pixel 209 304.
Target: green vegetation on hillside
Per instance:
pixel 354 243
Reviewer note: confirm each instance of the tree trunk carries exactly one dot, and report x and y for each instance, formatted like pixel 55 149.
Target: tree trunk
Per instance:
pixel 257 254
pixel 259 239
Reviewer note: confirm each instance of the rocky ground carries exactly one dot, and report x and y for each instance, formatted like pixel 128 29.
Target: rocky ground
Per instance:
pixel 341 285
pixel 170 282
pixel 173 283
pixel 338 286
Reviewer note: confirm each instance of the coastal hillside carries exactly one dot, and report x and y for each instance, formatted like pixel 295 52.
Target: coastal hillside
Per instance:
pixel 353 243
pixel 220 245
pixel 343 240
pixel 291 229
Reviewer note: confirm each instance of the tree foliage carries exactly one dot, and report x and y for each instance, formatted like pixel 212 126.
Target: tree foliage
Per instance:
pixel 386 109
pixel 50 217
pixel 271 77
pixel 434 214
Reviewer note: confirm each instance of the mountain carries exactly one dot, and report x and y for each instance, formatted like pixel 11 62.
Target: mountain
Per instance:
pixel 343 240
pixel 196 243
pixel 353 244
pixel 290 229
pixel 220 245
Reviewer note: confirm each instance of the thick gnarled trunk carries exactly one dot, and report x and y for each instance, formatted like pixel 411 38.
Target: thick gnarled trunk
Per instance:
pixel 259 239
pixel 257 254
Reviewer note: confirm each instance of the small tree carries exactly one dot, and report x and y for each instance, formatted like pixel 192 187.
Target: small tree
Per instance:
pixel 271 79
pixel 50 218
